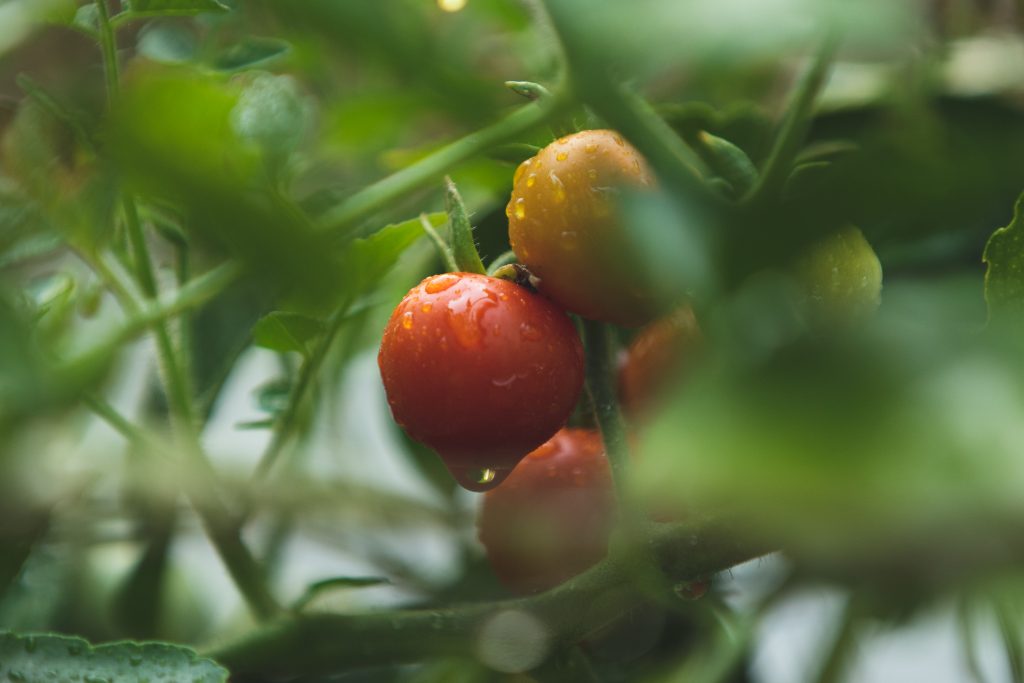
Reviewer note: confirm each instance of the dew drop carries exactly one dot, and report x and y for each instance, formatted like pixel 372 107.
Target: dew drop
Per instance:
pixel 692 590
pixel 529 333
pixel 440 283
pixel 466 315
pixel 561 156
pixel 531 180
pixel 590 149
pixel 563 140
pixel 407 320
pixel 520 209
pixel 569 240
pixel 592 173
pixel 478 479
pixel 636 165
pixel 558 190
pixel 508 210
pixel 426 307
pixel 520 169
pixel 619 141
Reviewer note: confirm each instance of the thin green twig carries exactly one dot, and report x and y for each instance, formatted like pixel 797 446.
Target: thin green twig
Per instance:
pixel 600 366
pixel 442 247
pixel 342 218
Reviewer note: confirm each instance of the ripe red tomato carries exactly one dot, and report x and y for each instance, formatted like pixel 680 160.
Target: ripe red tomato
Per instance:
pixel 563 225
pixel 657 354
pixel 480 369
pixel 551 518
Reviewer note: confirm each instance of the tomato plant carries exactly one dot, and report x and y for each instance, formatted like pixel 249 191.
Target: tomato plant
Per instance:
pixel 210 209
pixel 565 227
pixel 480 369
pixel 551 518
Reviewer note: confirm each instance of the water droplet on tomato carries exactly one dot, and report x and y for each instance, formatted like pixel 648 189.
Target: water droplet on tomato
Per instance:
pixel 407 320
pixel 508 210
pixel 531 180
pixel 636 165
pixel 520 209
pixel 618 140
pixel 529 333
pixel 592 173
pixel 426 307
pixel 590 149
pixel 692 590
pixel 478 479
pixel 561 156
pixel 440 283
pixel 520 169
pixel 558 190
pixel 466 315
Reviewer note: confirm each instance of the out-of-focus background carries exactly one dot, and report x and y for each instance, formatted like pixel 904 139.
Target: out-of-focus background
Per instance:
pixel 884 458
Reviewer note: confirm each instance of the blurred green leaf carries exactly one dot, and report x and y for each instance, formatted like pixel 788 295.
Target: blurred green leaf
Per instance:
pixel 44 658
pixel 1004 279
pixel 168 43
pixel 284 331
pixel 157 8
pixel 318 588
pixel 368 259
pixel 250 52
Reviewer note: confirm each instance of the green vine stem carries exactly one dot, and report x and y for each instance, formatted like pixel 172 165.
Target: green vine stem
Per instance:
pixel 795 125
pixel 343 217
pixel 240 563
pixel 601 374
pixel 331 643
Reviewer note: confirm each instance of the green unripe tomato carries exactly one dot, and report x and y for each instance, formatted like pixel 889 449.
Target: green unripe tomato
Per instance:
pixel 841 278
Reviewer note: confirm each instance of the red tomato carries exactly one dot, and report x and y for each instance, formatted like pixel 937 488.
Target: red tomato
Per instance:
pixel 655 357
pixel 551 518
pixel 564 226
pixel 480 369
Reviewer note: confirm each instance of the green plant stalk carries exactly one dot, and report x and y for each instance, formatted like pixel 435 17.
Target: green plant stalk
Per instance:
pixel 143 316
pixel 795 125
pixel 343 217
pixel 601 374
pixel 332 643
pixel 223 534
pixel 286 423
pixel 467 258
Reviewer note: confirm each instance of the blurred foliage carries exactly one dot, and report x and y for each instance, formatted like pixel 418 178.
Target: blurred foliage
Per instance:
pixel 881 452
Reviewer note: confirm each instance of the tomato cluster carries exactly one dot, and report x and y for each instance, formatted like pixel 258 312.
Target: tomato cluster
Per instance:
pixel 487 371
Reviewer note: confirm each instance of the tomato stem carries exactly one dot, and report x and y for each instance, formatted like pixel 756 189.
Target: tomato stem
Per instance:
pixel 600 366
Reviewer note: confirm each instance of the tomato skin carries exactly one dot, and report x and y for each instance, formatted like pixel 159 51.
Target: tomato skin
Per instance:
pixel 552 517
pixel 841 278
pixel 564 227
pixel 657 355
pixel 481 370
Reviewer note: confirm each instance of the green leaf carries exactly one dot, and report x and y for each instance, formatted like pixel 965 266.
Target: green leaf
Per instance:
pixel 46 657
pixel 368 259
pixel 163 8
pixel 1004 279
pixel 338 582
pixel 251 52
pixel 284 331
pixel 168 43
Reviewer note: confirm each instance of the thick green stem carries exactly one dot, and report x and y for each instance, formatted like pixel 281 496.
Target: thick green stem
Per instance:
pixel 333 643
pixel 601 374
pixel 363 204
